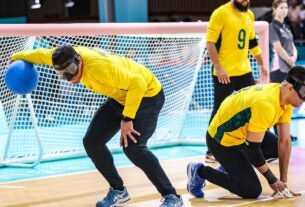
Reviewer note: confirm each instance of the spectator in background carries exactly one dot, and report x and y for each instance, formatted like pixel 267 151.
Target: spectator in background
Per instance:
pixel 285 52
pixel 294 12
pixel 302 18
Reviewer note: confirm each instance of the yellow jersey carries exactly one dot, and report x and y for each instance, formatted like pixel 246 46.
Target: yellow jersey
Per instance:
pixel 114 76
pixel 256 109
pixel 232 30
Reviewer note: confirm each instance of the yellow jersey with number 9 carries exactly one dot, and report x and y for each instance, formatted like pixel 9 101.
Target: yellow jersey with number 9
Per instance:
pixel 232 30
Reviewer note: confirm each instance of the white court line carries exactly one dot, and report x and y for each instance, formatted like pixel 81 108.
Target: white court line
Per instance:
pixel 12 186
pixel 261 200
pixel 93 170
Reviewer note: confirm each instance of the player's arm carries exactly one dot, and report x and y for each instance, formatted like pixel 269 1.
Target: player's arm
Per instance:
pixel 256 51
pixel 121 78
pixel 255 135
pixel 215 27
pixel 284 149
pixel 38 56
pixel 284 152
pixel 284 142
pixel 257 127
pixel 220 72
pixel 135 86
pixel 256 156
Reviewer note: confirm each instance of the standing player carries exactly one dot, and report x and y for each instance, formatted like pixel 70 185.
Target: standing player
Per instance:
pixel 230 36
pixel 135 100
pixel 236 137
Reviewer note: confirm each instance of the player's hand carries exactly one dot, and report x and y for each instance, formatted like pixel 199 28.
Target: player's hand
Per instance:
pixel 294 194
pixel 263 73
pixel 222 75
pixel 291 60
pixel 287 193
pixel 127 131
pixel 278 186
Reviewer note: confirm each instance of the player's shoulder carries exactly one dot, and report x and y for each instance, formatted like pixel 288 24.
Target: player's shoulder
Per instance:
pixel 264 95
pixel 251 14
pixel 80 49
pixel 263 104
pixel 225 8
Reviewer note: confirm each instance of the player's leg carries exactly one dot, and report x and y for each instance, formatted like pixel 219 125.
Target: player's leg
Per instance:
pixel 104 125
pixel 277 76
pixel 145 122
pixel 270 146
pixel 240 179
pixel 221 91
pixel 243 81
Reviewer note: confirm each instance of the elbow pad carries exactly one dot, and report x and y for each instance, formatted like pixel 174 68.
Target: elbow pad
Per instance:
pixel 253 43
pixel 255 154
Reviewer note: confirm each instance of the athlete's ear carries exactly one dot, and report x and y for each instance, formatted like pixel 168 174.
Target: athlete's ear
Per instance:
pixel 290 86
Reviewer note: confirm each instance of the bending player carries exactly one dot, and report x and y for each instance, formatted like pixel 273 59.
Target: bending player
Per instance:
pixel 238 138
pixel 135 100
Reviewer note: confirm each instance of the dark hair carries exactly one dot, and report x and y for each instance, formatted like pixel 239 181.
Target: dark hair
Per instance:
pixel 276 3
pixel 296 73
pixel 63 54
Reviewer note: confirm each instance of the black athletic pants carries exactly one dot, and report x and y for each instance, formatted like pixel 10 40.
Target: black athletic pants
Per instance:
pixel 241 178
pixel 106 123
pixel 222 91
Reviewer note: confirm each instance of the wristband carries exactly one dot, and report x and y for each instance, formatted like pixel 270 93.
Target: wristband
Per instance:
pixel 270 176
pixel 126 118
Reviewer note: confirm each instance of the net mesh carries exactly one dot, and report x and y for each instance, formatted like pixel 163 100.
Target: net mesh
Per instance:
pixel 64 110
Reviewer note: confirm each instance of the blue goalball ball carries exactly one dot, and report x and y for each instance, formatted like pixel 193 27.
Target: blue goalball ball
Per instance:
pixel 21 77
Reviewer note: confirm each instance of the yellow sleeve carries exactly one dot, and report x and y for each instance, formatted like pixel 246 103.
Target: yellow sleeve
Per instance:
pixel 286 117
pixel 119 77
pixel 256 50
pixel 215 26
pixel 262 114
pixel 38 56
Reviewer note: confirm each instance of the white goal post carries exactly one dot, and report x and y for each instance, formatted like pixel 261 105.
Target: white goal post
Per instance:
pixel 51 122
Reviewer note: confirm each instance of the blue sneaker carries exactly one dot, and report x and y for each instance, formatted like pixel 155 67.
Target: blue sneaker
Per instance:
pixel 172 200
pixel 220 168
pixel 195 183
pixel 113 198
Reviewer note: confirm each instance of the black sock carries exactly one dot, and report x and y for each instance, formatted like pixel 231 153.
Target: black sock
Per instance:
pixel 118 188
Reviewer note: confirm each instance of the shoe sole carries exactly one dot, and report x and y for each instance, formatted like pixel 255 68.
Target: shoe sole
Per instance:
pixel 117 204
pixel 122 201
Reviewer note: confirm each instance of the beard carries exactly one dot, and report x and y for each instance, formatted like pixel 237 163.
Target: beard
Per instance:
pixel 240 6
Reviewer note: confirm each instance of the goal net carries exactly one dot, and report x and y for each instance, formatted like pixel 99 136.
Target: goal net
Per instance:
pixel 175 52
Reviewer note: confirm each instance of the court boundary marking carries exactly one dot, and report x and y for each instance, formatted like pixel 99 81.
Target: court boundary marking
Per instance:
pixel 261 200
pixel 95 170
